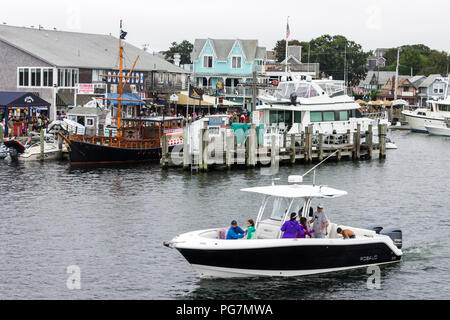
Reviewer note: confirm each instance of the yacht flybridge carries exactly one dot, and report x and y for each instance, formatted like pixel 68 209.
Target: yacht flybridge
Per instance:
pixel 270 255
pixel 300 102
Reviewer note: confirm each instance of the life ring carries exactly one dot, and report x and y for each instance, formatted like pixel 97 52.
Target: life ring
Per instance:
pixel 275 83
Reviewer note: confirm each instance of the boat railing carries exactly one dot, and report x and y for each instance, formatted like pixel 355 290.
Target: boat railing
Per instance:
pixel 118 142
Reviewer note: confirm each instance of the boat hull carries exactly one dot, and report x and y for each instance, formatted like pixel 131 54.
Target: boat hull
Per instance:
pixel 438 131
pixel 82 153
pixel 417 123
pixel 290 260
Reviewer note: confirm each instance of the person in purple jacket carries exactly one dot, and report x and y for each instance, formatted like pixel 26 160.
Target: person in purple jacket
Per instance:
pixel 291 228
pixel 304 229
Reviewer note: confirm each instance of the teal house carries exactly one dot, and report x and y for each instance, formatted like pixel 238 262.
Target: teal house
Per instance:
pixel 223 67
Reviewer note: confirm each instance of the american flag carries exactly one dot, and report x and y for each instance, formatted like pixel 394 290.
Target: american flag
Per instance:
pixel 288 31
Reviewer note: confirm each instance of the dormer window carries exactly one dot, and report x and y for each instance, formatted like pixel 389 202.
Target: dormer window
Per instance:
pixel 207 62
pixel 236 62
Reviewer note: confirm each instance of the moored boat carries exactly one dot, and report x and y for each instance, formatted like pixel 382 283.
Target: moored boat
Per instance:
pixel 439 130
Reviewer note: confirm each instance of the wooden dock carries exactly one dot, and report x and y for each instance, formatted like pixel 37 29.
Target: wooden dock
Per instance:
pixel 307 147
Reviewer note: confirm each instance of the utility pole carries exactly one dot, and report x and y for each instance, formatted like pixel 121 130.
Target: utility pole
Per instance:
pixel 396 74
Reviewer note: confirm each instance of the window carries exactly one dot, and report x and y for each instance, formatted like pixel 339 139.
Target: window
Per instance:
pixel 443 107
pixel 207 62
pixel 328 116
pixel 89 122
pixel 316 116
pixel 236 62
pixel 277 207
pixel 96 75
pixel 343 115
pixel 297 117
pixel 67 78
pixel 35 77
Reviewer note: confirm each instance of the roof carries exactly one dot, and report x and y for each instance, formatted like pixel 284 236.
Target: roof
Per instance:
pixel 81 50
pixel 429 80
pixel 21 100
pixel 184 99
pixel 417 80
pixel 297 191
pixel 382 77
pixel 85 111
pixel 223 47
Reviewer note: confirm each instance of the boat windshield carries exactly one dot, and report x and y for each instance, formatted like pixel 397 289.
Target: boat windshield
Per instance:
pixel 333 88
pixel 302 89
pixel 277 207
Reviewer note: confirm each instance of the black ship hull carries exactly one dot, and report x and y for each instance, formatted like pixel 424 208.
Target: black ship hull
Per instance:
pixel 83 153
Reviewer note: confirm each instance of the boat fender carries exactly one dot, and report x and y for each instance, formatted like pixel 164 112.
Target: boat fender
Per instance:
pixel 395 234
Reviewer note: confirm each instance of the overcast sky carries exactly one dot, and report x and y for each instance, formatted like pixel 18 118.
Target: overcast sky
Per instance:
pixel 372 23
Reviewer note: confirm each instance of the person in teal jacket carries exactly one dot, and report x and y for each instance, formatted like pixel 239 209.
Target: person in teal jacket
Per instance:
pixel 235 232
pixel 251 231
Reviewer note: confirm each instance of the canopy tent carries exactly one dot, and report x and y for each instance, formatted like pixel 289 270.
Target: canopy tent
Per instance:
pixel 400 102
pixel 376 103
pixel 208 101
pixel 361 102
pixel 128 99
pixel 21 100
pixel 387 103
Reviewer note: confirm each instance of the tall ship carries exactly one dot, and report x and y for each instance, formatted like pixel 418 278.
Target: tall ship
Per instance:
pixel 136 139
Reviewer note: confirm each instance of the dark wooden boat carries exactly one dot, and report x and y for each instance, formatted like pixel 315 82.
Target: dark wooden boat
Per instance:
pixel 109 150
pixel 138 139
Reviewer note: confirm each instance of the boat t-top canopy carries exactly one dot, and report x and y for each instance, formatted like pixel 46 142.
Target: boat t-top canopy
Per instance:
pixel 297 191
pixel 153 119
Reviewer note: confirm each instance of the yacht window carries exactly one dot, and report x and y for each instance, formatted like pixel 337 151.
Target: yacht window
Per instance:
pixel 343 115
pixel 328 116
pixel 316 116
pixel 297 117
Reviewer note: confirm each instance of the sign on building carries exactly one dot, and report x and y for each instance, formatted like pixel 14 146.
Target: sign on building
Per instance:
pixel 86 88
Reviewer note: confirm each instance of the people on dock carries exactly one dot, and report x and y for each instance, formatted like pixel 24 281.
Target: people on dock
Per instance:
pixel 251 231
pixel 320 223
pixel 347 234
pixel 235 232
pixel 291 228
pixel 304 230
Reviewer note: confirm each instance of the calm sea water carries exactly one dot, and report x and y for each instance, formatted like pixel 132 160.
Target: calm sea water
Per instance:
pixel 111 222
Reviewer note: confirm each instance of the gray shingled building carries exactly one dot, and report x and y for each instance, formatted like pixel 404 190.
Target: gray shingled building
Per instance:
pixel 53 63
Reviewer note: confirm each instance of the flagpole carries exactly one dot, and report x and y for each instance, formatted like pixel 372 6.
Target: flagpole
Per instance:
pixel 287 37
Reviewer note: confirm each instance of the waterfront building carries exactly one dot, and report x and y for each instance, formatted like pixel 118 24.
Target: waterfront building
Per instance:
pixel 405 91
pixel 66 68
pixel 433 87
pixel 225 66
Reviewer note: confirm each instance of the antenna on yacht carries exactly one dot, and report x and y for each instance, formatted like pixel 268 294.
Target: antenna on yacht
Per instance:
pixel 318 165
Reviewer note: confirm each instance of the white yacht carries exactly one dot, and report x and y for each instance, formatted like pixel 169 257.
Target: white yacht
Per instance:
pixel 433 116
pixel 270 255
pixel 297 103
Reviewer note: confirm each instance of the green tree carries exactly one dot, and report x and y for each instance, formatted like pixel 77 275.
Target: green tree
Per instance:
pixel 184 49
pixel 280 48
pixel 339 57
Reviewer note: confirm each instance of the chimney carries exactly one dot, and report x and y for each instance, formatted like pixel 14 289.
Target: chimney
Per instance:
pixel 177 59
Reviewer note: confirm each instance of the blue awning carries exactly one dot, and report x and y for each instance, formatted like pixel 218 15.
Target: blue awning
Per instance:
pixel 126 96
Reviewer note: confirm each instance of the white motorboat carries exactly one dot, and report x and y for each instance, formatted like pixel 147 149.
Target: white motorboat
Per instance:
pixel 432 117
pixel 442 130
pixel 270 255
pixel 21 153
pixel 390 145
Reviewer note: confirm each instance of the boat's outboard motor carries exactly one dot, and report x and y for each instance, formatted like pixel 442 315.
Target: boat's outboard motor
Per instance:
pixel 395 234
pixel 14 154
pixel 293 98
pixel 375 228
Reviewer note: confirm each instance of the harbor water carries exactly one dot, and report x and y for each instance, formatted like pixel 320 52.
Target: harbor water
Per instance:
pixel 111 223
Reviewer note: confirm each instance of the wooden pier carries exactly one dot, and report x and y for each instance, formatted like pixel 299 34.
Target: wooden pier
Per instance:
pixel 307 147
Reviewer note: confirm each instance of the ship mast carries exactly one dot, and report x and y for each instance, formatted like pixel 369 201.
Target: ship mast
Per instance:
pixel 120 91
